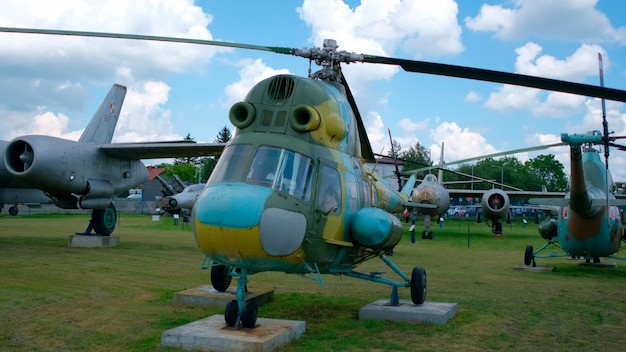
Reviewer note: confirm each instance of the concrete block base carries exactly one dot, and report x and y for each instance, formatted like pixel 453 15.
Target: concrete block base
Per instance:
pixel 208 296
pixel 429 312
pixel 92 241
pixel 211 334
pixel 533 268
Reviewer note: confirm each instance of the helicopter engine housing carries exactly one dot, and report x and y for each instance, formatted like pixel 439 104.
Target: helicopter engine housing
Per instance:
pixel 548 229
pixel 375 228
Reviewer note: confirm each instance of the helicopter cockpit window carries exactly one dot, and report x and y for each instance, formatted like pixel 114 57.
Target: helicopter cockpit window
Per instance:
pixel 352 193
pixel 282 170
pixel 330 191
pixel 231 165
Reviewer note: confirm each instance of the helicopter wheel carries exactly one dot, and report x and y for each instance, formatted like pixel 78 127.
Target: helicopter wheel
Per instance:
pixel 230 314
pixel 596 260
pixel 424 234
pixel 528 255
pixel 250 313
pixel 220 278
pixel 430 235
pixel 13 211
pixel 418 285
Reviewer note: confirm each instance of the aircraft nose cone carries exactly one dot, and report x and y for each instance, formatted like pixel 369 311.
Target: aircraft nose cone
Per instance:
pixel 234 226
pixel 425 195
pixel 231 205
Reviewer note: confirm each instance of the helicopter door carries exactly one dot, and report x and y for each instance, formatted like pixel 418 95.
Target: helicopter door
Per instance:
pixel 329 205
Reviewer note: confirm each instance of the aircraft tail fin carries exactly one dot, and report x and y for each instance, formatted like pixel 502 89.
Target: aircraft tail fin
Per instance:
pixel 102 125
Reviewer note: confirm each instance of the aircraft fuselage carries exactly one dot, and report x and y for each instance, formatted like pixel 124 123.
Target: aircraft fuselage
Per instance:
pixel 290 192
pixel 585 226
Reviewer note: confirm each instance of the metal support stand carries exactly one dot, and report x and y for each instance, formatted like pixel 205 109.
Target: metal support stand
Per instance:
pixel 241 293
pixel 395 300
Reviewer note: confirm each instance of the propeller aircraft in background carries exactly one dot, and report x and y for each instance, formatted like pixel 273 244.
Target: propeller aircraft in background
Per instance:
pixel 87 173
pixel 292 191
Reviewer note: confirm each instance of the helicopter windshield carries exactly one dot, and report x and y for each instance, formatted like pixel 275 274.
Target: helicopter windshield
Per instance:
pixel 282 170
pixel 231 165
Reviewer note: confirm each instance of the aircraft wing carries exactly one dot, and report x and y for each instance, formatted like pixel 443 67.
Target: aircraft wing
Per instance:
pixel 157 150
pixel 565 202
pixel 419 205
pixel 521 194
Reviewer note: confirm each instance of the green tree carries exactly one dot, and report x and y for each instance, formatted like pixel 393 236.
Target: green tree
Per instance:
pixel 416 157
pixel 549 171
pixel 529 176
pixel 187 159
pixel 224 135
pixel 186 172
pixel 207 164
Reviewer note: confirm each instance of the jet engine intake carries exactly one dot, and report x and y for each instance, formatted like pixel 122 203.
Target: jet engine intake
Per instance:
pixel 19 156
pixel 48 163
pixel 242 114
pixel 495 204
pixel 305 118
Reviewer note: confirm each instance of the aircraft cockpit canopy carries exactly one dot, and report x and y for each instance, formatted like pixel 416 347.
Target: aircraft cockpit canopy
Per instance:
pixel 274 167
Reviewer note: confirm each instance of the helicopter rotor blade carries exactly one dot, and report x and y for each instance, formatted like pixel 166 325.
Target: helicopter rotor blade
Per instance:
pixel 279 50
pixel 501 77
pixel 416 66
pixel 618 146
pixel 395 161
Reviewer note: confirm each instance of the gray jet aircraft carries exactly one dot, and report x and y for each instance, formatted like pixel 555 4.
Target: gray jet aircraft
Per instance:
pixel 87 173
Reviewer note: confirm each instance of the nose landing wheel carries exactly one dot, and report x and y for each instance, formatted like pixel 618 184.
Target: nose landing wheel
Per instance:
pixel 238 311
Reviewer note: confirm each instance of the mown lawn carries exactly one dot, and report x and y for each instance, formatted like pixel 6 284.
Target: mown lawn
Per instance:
pixel 56 298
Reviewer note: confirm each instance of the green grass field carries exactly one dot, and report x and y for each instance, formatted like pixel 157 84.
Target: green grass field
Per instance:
pixel 55 298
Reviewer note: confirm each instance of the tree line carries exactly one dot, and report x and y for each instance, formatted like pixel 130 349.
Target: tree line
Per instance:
pixel 195 169
pixel 532 175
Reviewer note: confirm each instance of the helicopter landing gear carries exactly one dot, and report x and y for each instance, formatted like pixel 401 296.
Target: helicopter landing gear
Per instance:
pixel 529 256
pixel 220 278
pixel 427 235
pixel 418 285
pixel 230 314
pixel 238 311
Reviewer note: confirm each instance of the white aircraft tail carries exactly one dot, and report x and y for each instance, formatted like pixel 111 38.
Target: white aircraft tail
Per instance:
pixel 102 125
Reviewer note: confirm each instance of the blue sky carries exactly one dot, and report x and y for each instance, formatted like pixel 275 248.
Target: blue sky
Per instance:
pixel 52 85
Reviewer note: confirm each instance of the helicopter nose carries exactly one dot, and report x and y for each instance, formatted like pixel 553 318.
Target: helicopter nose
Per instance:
pixel 233 224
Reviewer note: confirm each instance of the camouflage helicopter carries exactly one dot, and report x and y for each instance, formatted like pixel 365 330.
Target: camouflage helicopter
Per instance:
pixel 292 192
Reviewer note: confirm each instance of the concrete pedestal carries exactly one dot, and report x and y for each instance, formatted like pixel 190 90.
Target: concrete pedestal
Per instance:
pixel 92 241
pixel 211 334
pixel 429 312
pixel 208 296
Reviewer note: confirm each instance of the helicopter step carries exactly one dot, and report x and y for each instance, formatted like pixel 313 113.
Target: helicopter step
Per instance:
pixel 209 334
pixel 429 312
